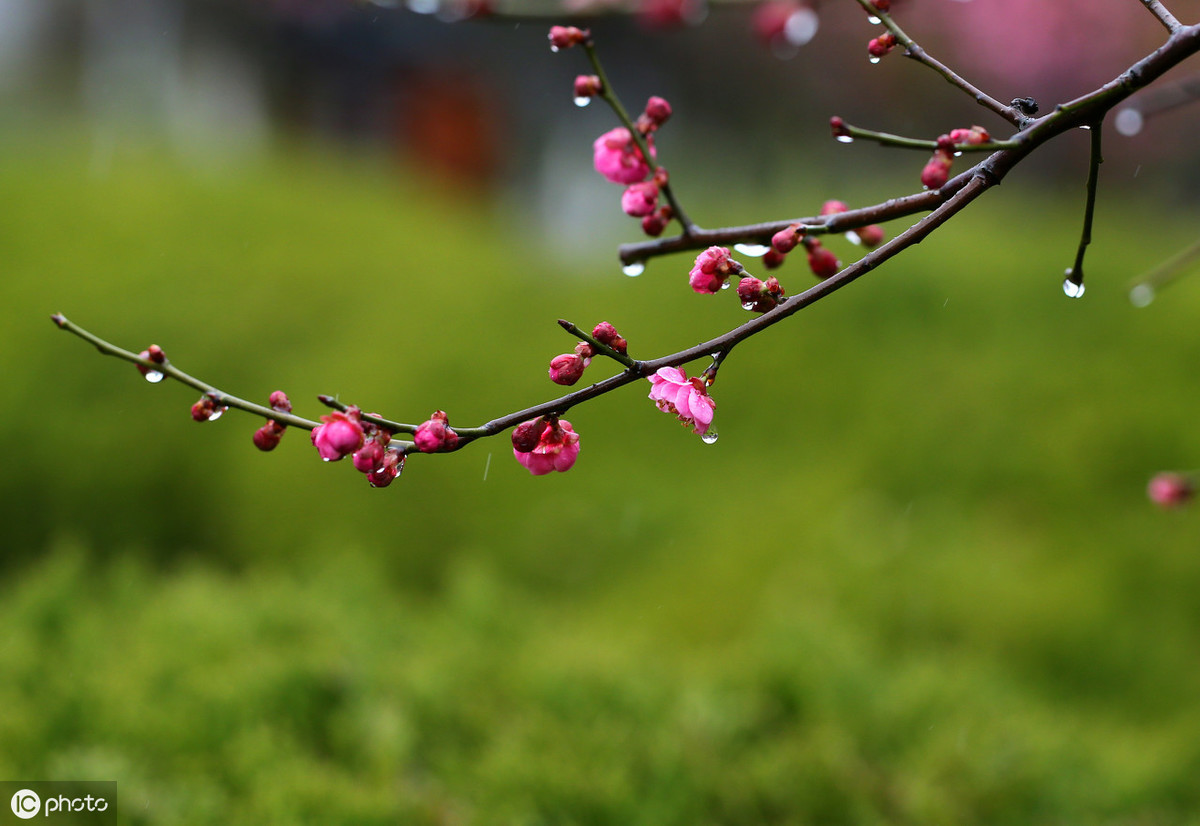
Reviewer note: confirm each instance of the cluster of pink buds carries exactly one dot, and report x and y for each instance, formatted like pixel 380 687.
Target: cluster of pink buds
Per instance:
pixel 880 46
pixel 434 434
pixel 937 171
pixel 267 437
pixel 759 296
pixel 564 37
pixel 545 444
pixel 869 236
pixel 673 392
pixel 1171 490
pixel 821 260
pixel 617 157
pixel 712 268
pixel 344 433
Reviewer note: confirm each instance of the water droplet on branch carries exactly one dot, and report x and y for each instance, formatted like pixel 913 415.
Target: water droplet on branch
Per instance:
pixel 634 268
pixel 873 20
pixel 217 413
pixel 752 249
pixel 153 376
pixel 844 139
pixel 1071 288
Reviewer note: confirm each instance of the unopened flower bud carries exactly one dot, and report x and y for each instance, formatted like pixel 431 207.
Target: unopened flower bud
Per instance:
pixel 821 261
pixel 838 127
pixel 881 45
pixel 525 436
pixel 1170 490
pixel 658 110
pixel 587 86
pixel 435 434
pixel 711 269
pixel 759 296
pixel 653 225
pixel 618 158
pixel 369 457
pixel 564 37
pixel 937 171
pixel 786 239
pixel 155 354
pixel 389 469
pixel 340 435
pixel 267 437
pixel 882 5
pixel 640 199
pixel 773 259
pixel 280 402
pixel 567 368
pixel 202 410
pixel 833 207
pixel 974 136
pixel 607 335
pixel 871 236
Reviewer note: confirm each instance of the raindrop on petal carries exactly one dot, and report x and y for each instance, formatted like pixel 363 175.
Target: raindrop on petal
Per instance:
pixel 709 437
pixel 873 59
pixel 724 285
pixel 217 413
pixel 752 249
pixel 747 305
pixel 634 269
pixel 582 101
pixel 1141 295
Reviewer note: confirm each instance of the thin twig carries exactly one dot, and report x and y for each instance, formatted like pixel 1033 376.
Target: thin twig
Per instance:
pixel 886 139
pixel 1075 274
pixel 599 347
pixel 1165 17
pixel 913 50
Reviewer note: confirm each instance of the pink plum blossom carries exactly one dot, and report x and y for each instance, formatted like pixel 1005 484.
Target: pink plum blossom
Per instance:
pixel 340 435
pixel 1170 490
pixel 673 392
pixel 556 448
pixel 388 470
pixel 618 159
pixel 567 368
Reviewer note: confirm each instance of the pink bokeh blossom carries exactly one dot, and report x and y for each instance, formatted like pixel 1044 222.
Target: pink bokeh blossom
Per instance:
pixel 673 392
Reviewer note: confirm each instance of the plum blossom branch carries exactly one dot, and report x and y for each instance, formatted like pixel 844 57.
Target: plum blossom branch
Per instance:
pixel 913 50
pixel 885 139
pixel 597 346
pixel 609 96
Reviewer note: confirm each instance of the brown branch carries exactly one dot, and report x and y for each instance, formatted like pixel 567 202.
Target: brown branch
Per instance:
pixel 1165 17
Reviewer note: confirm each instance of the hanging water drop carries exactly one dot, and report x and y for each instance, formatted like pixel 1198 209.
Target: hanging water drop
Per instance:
pixel 634 268
pixel 553 48
pixel 217 413
pixel 853 238
pixel 582 101
pixel 755 250
pixel 1072 289
pixel 709 437
pixel 747 305
pixel 844 139
pixel 958 154
pixel 873 59
pixel 153 376
pixel 724 285
pixel 1141 295
pixel 873 20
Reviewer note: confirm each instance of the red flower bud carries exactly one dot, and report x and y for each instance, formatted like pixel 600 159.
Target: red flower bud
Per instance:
pixel 607 335
pixel 881 45
pixel 564 37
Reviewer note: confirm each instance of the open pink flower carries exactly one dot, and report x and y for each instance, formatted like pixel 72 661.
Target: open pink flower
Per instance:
pixel 640 199
pixel 617 157
pixel 340 435
pixel 556 448
pixel 673 392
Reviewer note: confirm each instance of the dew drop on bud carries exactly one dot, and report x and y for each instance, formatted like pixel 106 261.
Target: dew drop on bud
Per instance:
pixel 847 138
pixel 582 101
pixel 1141 295
pixel 958 154
pixel 217 413
pixel 755 250
pixel 634 269
pixel 1072 289
pixel 724 285
pixel 1129 122
pixel 709 437
pixel 873 20
pixel 873 59
pixel 153 376
pixel 747 305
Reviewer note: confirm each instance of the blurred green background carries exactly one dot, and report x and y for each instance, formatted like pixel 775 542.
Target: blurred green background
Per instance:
pixel 916 581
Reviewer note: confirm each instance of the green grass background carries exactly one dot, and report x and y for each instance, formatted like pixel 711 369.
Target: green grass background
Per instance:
pixel 916 581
